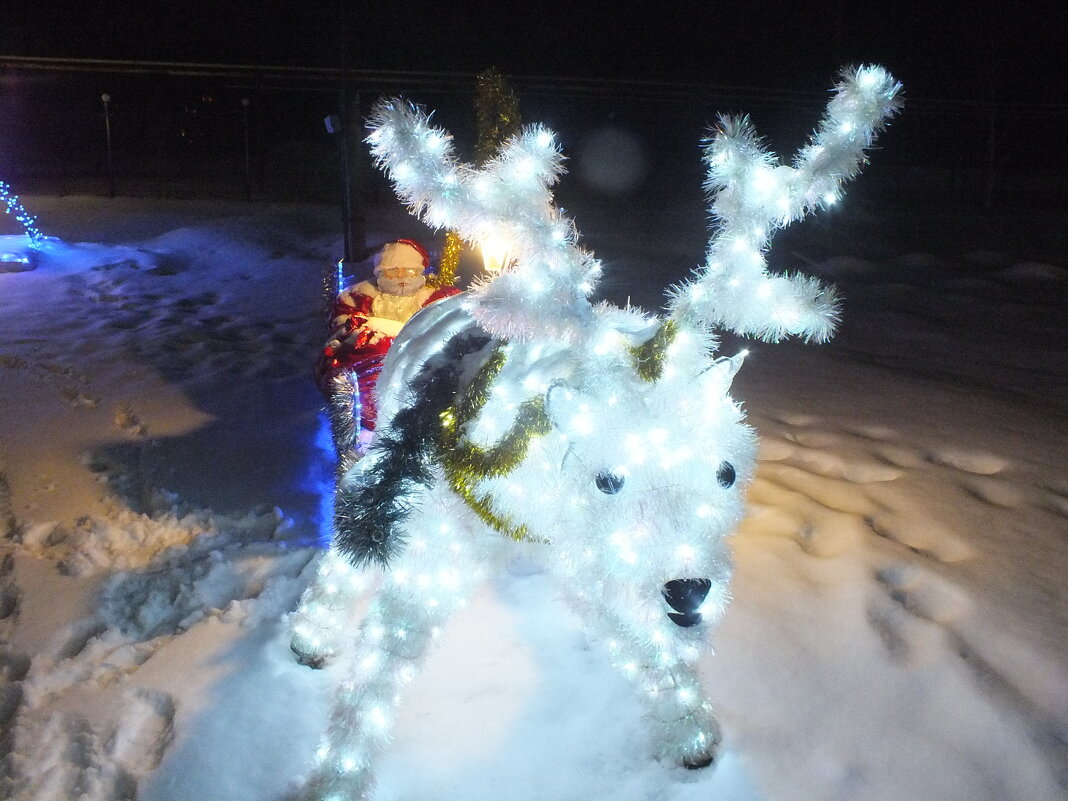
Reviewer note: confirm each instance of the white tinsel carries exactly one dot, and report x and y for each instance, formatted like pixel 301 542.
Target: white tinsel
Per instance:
pixel 752 195
pixel 545 289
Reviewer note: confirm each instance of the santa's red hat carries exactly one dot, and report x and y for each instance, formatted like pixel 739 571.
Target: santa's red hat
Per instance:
pixel 402 253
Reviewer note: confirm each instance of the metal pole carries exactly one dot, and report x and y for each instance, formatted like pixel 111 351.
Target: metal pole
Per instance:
pixel 248 159
pixel 107 137
pixel 357 218
pixel 345 119
pixel 346 175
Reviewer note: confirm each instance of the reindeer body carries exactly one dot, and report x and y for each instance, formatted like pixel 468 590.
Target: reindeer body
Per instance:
pixel 521 412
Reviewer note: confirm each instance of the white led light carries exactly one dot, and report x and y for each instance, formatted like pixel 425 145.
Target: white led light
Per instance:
pixel 868 78
pixel 378 717
pixel 581 424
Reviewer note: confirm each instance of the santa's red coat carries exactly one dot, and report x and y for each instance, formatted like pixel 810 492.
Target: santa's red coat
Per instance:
pixel 363 353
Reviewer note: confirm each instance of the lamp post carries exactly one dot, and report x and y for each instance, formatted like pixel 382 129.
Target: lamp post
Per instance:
pixel 335 125
pixel 107 138
pixel 248 160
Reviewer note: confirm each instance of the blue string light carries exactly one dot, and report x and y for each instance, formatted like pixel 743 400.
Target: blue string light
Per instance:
pixel 339 280
pixel 13 206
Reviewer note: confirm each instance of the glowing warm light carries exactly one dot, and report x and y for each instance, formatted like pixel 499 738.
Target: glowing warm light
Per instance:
pixel 495 253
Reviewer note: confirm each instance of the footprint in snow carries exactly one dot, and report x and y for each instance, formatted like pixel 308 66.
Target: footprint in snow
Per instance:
pixel 925 537
pixel 13 665
pixel 874 432
pixel 195 302
pixel 9 524
pixel 166 269
pixel 123 264
pixel 795 420
pixel 813 438
pixel 918 617
pixel 974 462
pixel 70 755
pixel 12 362
pixel 914 612
pixel 995 491
pixel 1054 499
pixel 923 593
pixel 126 419
pixel 78 399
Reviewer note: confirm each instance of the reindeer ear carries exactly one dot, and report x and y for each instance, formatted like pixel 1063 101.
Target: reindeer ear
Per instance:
pixel 568 410
pixel 729 366
pixel 720 375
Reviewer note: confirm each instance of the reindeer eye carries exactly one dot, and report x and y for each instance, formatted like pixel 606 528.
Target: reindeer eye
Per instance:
pixel 725 475
pixel 609 483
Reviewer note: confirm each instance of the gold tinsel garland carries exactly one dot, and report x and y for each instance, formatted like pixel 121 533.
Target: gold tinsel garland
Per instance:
pixel 449 265
pixel 649 356
pixel 497 116
pixel 466 464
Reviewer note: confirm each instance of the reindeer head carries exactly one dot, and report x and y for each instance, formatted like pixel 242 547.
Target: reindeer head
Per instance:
pixel 635 457
pixel 654 459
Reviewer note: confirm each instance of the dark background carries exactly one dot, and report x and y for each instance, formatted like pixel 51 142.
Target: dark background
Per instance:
pixel 942 49
pixel 980 145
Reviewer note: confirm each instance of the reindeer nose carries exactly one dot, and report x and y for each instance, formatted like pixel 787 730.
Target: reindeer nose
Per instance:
pixel 685 597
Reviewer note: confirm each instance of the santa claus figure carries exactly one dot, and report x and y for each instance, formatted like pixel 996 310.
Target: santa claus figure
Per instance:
pixel 364 320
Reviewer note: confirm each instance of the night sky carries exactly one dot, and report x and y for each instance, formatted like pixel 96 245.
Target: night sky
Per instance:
pixel 938 49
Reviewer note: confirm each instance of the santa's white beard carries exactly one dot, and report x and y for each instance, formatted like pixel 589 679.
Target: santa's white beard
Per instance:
pixel 404 287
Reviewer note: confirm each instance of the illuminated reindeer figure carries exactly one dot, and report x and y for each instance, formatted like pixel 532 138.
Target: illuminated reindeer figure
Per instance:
pixel 606 437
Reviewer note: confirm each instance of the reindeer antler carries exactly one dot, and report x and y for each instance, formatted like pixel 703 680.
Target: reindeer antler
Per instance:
pixel 753 195
pixel 545 290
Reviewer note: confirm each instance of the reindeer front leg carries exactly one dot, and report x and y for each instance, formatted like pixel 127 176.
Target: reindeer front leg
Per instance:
pixel 684 726
pixel 325 610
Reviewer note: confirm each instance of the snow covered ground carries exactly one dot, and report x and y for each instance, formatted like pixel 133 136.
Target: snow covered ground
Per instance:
pixel 900 622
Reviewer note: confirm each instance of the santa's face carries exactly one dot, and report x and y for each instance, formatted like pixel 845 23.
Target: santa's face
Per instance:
pixel 400 280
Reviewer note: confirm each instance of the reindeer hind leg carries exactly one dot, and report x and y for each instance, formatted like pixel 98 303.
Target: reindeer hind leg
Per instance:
pixel 394 641
pixel 322 619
